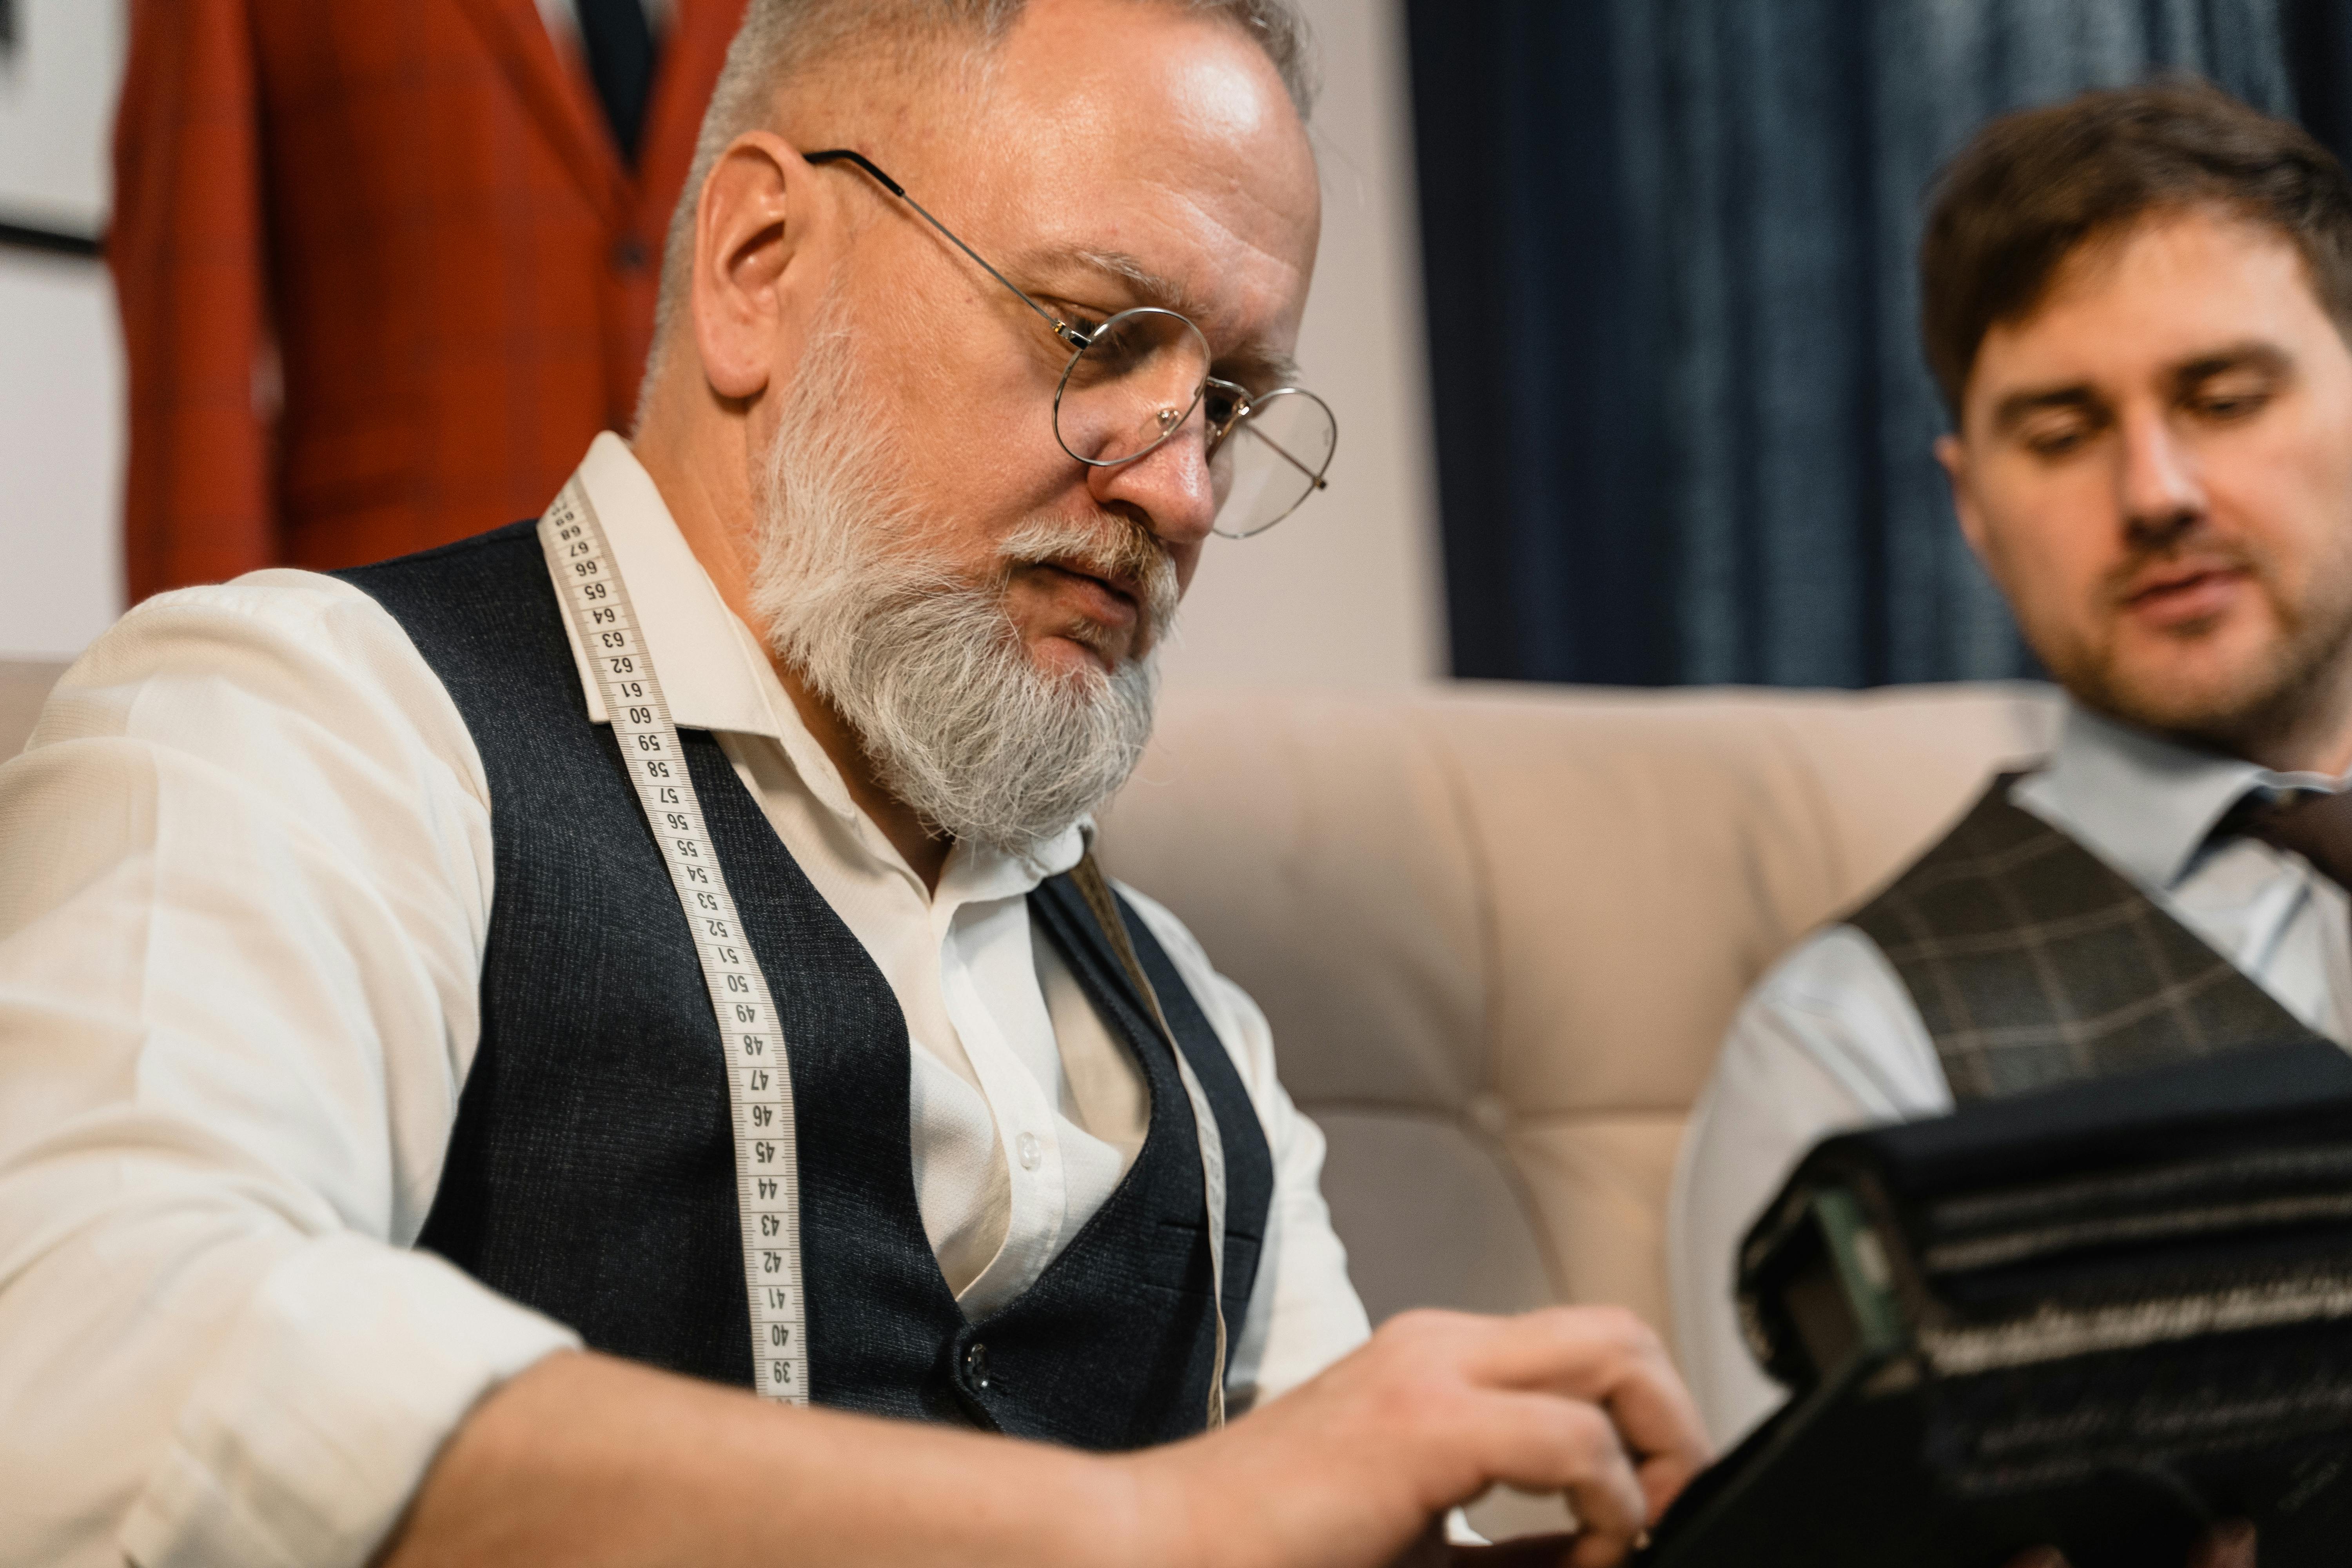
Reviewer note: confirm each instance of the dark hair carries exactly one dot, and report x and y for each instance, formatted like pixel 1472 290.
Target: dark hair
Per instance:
pixel 2034 187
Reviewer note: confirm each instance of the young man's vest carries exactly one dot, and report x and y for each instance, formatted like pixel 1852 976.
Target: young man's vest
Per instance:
pixel 2034 964
pixel 592 1169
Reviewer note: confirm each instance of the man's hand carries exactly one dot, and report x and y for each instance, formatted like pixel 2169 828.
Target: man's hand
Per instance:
pixel 1347 1471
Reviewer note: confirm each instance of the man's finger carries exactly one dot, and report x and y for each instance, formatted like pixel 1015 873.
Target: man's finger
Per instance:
pixel 1661 1425
pixel 1608 1356
pixel 1541 1442
pixel 1578 1351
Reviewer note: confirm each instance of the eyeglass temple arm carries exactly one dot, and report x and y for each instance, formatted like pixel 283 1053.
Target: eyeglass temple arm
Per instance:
pixel 844 155
pixel 1316 481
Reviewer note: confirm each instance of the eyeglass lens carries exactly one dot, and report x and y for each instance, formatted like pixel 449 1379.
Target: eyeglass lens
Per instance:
pixel 1142 375
pixel 1273 460
pixel 1132 387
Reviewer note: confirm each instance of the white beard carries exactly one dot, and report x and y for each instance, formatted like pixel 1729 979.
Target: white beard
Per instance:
pixel 928 670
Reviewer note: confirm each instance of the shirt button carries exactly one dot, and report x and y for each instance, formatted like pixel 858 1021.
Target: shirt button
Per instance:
pixel 1031 1151
pixel 975 1365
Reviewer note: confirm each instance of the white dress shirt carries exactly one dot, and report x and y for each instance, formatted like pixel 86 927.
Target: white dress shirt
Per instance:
pixel 245 880
pixel 1831 1039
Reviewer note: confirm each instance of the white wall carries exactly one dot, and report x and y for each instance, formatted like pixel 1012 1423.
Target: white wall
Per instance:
pixel 1344 593
pixel 57 93
pixel 60 357
pixel 1349 591
pixel 60 456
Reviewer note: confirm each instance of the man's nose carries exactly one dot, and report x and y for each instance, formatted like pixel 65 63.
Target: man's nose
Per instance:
pixel 2159 492
pixel 1170 485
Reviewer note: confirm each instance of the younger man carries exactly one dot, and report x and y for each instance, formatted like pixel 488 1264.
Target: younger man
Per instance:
pixel 2136 305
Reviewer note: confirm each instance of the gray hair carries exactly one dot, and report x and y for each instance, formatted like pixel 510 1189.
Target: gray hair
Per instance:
pixel 782 39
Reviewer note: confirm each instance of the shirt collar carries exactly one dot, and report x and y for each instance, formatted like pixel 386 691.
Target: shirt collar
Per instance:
pixel 2144 803
pixel 715 672
pixel 711 669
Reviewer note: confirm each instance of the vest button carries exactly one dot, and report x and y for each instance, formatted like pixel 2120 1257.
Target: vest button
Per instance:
pixel 975 1365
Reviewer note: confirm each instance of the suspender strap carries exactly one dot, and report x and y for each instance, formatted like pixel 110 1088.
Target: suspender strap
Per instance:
pixel 1093 886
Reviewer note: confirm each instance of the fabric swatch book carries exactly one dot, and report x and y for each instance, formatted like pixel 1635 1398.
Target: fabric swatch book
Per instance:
pixel 2101 1317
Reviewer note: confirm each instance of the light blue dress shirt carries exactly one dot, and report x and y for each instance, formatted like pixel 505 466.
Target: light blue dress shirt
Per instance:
pixel 1831 1039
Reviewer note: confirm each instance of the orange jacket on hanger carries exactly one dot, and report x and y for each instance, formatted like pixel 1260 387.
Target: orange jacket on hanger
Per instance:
pixel 382 272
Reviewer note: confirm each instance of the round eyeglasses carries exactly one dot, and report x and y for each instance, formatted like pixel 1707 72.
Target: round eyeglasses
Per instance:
pixel 1134 381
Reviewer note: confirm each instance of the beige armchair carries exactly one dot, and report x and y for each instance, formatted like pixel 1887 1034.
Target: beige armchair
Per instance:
pixel 1499 931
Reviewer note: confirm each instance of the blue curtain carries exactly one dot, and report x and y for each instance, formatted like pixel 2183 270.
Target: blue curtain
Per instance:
pixel 1682 420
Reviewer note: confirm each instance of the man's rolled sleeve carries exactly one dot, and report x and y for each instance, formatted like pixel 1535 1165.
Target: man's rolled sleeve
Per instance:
pixel 324 1405
pixel 244 880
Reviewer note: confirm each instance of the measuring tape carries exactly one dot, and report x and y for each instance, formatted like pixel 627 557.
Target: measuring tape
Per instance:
pixel 759 1081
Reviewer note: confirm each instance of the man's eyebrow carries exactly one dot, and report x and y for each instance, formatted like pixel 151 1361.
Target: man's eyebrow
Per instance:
pixel 1258 367
pixel 1148 287
pixel 2251 355
pixel 2255 354
pixel 2018 407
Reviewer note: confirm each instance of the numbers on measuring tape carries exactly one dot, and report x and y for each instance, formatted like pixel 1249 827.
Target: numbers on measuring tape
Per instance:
pixel 760 1085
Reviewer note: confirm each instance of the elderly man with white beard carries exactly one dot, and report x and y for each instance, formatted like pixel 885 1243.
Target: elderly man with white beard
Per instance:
pixel 605 1044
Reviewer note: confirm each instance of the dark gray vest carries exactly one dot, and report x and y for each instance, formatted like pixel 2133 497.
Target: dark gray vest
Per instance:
pixel 2035 964
pixel 591 1173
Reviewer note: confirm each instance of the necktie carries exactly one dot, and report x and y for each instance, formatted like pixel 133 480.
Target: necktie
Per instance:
pixel 620 47
pixel 2317 827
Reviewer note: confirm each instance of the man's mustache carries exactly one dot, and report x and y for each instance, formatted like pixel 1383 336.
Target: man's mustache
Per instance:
pixel 2196 551
pixel 1119 550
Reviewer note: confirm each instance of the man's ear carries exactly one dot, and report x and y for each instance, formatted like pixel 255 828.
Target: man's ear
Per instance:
pixel 760 232
pixel 1954 459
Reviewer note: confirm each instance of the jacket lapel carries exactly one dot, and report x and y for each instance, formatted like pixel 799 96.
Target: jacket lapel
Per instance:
pixel 555 98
